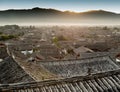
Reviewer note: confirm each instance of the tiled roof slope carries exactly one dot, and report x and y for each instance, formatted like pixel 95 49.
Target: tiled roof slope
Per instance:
pixel 100 82
pixel 71 68
pixel 3 52
pixel 11 72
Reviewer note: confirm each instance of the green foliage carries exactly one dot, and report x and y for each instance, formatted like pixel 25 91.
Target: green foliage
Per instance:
pixel 55 40
pixel 11 27
pixel 61 38
pixel 7 37
pixel 1 33
pixel 58 38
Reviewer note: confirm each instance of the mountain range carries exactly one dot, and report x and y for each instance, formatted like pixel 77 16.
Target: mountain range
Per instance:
pixel 42 15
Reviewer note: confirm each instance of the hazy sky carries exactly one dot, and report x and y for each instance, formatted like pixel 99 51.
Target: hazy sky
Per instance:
pixel 72 5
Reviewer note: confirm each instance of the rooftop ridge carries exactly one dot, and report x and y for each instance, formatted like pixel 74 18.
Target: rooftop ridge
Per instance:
pixel 75 59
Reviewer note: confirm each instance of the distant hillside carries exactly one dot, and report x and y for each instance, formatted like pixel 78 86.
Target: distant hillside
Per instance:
pixel 41 15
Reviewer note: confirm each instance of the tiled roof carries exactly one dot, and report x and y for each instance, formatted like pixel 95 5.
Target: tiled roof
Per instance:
pixel 11 72
pixel 100 82
pixel 71 68
pixel 3 52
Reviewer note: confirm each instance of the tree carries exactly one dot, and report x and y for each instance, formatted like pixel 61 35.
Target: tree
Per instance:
pixel 61 38
pixel 1 33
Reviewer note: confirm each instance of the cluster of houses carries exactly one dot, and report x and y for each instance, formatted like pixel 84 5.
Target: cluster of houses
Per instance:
pixel 45 51
pixel 96 73
pixel 43 66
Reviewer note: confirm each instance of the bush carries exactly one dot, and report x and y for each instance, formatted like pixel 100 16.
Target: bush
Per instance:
pixel 7 37
pixel 61 38
pixel 1 33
